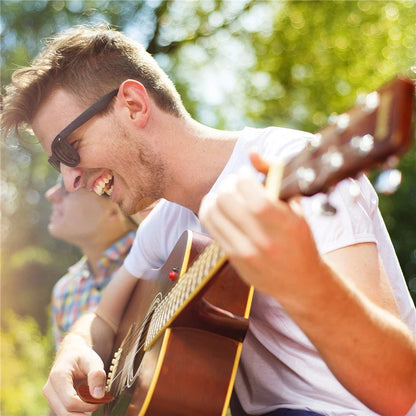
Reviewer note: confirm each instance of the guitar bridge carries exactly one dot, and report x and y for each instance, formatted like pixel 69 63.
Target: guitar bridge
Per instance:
pixel 113 368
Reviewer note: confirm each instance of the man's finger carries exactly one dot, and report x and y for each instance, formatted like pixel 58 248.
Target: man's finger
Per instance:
pixel 259 163
pixel 67 405
pixel 93 366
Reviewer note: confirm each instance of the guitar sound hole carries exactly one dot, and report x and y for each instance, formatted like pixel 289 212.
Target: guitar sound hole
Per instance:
pixel 137 352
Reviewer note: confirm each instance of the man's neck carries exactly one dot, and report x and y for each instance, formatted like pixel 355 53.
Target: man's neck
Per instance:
pixel 201 153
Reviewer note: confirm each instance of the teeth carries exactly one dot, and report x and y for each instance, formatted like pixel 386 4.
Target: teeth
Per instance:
pixel 101 185
pixel 109 191
pixel 98 189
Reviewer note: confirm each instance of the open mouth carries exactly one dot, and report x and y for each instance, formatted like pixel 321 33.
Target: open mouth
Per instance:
pixel 104 184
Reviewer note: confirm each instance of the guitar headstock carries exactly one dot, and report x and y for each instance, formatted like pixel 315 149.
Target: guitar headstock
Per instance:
pixel 377 129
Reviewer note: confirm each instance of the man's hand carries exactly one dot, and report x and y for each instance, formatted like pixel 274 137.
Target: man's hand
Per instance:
pixel 265 239
pixel 76 363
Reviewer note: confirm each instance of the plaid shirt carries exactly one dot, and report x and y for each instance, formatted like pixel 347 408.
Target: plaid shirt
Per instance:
pixel 80 291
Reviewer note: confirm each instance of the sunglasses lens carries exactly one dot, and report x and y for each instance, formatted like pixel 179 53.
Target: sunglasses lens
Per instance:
pixel 64 153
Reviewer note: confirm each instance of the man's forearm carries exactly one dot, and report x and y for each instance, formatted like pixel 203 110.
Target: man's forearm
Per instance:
pixel 94 332
pixel 370 351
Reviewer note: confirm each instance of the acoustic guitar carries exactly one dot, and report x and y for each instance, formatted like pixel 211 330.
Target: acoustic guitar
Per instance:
pixel 180 339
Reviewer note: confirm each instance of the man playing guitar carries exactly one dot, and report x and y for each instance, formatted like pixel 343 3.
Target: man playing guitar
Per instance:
pixel 332 326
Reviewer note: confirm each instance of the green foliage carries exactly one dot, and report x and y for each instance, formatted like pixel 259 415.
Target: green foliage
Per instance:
pixel 25 363
pixel 320 55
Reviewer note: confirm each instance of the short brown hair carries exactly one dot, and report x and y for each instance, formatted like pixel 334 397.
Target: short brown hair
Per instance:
pixel 89 62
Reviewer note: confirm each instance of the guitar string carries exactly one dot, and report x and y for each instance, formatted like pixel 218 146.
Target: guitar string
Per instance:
pixel 344 149
pixel 133 333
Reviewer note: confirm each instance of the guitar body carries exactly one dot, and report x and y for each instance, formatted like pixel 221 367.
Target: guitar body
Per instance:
pixel 190 368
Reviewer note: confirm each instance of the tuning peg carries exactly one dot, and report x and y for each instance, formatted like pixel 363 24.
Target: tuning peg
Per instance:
pixel 388 181
pixel 363 144
pixel 341 121
pixel 369 102
pixel 391 163
pixel 332 159
pixel 316 140
pixel 305 177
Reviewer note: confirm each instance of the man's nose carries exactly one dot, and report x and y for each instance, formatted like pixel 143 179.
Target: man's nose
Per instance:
pixel 72 177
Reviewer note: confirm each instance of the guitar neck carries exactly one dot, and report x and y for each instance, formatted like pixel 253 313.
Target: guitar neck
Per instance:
pixel 187 288
pixel 377 129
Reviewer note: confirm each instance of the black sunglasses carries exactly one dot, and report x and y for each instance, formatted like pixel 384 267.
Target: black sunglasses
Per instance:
pixel 62 151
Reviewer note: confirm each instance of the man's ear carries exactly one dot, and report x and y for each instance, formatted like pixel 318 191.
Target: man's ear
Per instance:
pixel 133 96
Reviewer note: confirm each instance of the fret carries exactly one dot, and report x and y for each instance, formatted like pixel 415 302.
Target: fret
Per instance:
pixel 184 291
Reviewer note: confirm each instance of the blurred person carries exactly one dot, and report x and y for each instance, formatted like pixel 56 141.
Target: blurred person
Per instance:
pixel 104 235
pixel 332 324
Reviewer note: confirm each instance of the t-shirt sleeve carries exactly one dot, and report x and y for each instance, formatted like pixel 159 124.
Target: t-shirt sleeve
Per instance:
pixel 157 236
pixel 140 256
pixel 353 222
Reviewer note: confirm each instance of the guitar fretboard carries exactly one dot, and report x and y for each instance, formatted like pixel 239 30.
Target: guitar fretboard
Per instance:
pixel 201 271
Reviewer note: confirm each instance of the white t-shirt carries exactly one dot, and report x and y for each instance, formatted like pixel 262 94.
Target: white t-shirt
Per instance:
pixel 279 366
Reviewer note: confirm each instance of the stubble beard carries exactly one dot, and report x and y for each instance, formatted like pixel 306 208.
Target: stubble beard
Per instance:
pixel 149 184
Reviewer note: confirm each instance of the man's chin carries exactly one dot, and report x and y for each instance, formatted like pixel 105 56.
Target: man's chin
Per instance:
pixel 143 204
pixel 59 234
pixel 53 231
pixel 142 213
pixel 130 209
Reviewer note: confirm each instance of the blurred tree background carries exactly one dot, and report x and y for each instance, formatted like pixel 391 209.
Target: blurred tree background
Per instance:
pixel 236 63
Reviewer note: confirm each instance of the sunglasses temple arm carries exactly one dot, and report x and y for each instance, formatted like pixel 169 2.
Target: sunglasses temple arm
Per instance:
pixel 100 105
